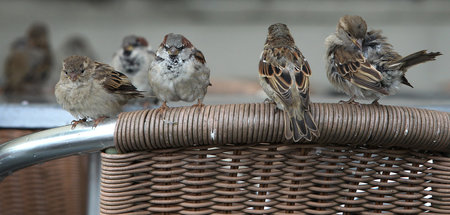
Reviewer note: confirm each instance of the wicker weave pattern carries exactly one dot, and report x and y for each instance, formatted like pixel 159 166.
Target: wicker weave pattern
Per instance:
pixel 211 160
pixel 255 123
pixel 275 178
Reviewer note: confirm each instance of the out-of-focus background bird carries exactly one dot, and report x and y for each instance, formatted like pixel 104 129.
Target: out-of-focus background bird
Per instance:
pixel 230 33
pixel 134 59
pixel 28 65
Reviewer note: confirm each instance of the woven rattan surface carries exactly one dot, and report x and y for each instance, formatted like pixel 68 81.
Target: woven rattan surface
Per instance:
pixel 51 188
pixel 233 159
pixel 275 179
pixel 254 123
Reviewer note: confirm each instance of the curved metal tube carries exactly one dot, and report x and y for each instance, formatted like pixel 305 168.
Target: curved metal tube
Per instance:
pixel 54 143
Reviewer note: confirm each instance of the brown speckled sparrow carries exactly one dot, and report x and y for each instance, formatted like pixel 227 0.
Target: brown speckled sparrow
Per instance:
pixel 89 89
pixel 179 72
pixel 28 65
pixel 134 59
pixel 284 76
pixel 363 65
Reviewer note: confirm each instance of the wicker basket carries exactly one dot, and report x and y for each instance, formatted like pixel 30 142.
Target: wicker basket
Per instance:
pixel 233 159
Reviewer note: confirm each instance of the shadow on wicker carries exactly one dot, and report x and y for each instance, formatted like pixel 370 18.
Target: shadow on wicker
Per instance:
pixel 233 159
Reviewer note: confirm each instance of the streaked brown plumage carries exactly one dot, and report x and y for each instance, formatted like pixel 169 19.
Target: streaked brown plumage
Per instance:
pixel 284 76
pixel 89 89
pixel 363 65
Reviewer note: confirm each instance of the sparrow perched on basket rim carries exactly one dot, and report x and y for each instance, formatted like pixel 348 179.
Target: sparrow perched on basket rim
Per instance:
pixel 363 64
pixel 134 59
pixel 89 89
pixel 284 76
pixel 179 72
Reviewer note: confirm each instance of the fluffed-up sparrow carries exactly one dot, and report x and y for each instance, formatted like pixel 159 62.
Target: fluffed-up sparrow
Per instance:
pixel 92 90
pixel 363 64
pixel 179 72
pixel 284 76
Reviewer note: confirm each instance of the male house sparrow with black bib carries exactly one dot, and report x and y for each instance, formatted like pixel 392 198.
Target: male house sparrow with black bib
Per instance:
pixel 179 72
pixel 134 59
pixel 284 76
pixel 363 64
pixel 89 89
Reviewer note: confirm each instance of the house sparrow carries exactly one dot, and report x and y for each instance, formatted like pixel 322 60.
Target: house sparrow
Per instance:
pixel 179 71
pixel 284 76
pixel 363 65
pixel 134 60
pixel 72 45
pixel 89 89
pixel 29 62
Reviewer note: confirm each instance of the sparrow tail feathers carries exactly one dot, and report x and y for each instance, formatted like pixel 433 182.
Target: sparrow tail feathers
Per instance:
pixel 414 59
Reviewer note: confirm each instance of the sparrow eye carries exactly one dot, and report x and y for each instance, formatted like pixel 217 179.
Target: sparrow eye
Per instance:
pixel 82 71
pixel 348 34
pixel 65 72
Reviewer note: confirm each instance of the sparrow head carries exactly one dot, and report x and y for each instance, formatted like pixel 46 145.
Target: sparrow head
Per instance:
pixel 37 35
pixel 175 43
pixel 77 68
pixel 131 42
pixel 279 35
pixel 352 29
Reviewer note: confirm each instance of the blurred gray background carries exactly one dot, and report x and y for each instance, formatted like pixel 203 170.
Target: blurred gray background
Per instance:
pixel 231 34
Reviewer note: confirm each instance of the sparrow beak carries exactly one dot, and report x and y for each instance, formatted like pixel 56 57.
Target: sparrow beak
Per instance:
pixel 72 76
pixel 128 50
pixel 357 42
pixel 173 51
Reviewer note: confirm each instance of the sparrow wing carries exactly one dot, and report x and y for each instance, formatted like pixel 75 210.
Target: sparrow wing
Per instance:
pixel 199 56
pixel 354 67
pixel 302 72
pixel 276 66
pixel 114 81
pixel 273 67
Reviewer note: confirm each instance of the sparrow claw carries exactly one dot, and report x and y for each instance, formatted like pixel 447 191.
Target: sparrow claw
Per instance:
pixel 199 104
pixel 375 102
pixel 98 121
pixel 162 110
pixel 272 102
pixel 269 101
pixel 76 122
pixel 350 101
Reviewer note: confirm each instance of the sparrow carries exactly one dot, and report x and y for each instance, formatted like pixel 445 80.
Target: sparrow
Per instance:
pixel 73 45
pixel 179 71
pixel 92 90
pixel 363 64
pixel 134 59
pixel 284 76
pixel 28 65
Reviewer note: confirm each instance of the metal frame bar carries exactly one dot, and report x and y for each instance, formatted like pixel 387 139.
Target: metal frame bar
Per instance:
pixel 54 143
